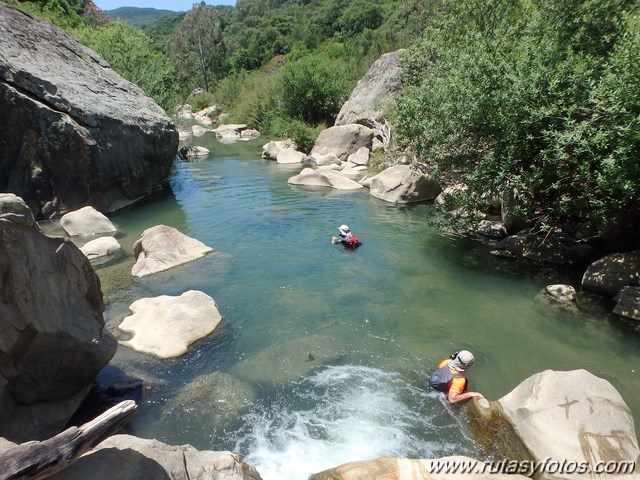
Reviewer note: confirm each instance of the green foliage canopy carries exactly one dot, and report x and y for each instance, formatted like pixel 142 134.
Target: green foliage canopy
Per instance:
pixel 196 46
pixel 537 96
pixel 128 51
pixel 312 88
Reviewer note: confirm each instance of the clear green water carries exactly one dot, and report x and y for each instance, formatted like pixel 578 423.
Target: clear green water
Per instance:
pixel 335 346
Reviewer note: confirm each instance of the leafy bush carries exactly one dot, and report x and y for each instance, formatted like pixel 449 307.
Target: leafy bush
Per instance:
pixel 312 88
pixel 361 14
pixel 302 134
pixel 201 101
pixel 510 95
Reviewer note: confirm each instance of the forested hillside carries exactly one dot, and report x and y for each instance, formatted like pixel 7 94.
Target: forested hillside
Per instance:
pixel 531 102
pixel 138 17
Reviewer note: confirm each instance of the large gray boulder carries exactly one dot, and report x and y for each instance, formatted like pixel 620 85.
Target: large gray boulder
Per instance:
pixel 628 304
pixel 342 141
pixel 541 247
pixel 289 155
pixel 374 92
pixel 74 132
pixel 404 184
pixel 609 274
pixel 130 458
pixel 572 417
pixel 53 340
pixel 14 209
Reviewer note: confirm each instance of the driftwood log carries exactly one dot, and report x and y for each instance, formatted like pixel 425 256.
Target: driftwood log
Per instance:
pixel 37 460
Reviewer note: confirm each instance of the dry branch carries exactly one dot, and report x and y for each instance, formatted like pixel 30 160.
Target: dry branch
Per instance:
pixel 36 460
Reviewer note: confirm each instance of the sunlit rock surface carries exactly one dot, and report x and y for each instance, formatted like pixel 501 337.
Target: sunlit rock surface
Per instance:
pixel 53 341
pixel 161 248
pixel 74 132
pixel 130 458
pixel 165 326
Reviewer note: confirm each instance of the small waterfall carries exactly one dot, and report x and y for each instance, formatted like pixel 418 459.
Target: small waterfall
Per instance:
pixel 342 414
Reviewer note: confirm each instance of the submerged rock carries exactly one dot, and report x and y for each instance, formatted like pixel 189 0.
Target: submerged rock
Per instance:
pixel 74 132
pixel 560 295
pixel 208 406
pixel 284 362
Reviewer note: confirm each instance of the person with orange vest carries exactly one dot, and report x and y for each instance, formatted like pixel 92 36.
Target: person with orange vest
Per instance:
pixel 450 378
pixel 346 237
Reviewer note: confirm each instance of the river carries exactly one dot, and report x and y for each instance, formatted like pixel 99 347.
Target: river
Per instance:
pixel 330 348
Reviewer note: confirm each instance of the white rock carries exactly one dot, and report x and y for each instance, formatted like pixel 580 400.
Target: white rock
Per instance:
pixel 361 157
pixel 324 178
pixel 86 221
pixel 289 155
pixel 165 326
pixel 161 248
pixel 233 127
pixel 328 159
pixel 101 247
pixel 199 130
pixel 249 134
pixel 203 120
pixel 404 184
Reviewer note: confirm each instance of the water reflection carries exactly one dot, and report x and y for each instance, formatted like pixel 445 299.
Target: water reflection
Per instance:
pixel 334 347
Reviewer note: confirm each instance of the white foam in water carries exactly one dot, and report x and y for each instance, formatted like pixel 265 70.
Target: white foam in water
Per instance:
pixel 340 414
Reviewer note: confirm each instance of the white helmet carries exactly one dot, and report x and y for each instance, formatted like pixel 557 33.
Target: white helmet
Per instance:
pixel 462 360
pixel 344 229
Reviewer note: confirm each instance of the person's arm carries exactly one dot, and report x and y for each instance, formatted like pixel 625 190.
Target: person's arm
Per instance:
pixel 458 391
pixel 454 397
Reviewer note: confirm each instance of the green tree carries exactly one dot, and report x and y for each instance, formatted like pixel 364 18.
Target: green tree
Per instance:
pixel 509 94
pixel 359 15
pixel 128 51
pixel 312 88
pixel 196 46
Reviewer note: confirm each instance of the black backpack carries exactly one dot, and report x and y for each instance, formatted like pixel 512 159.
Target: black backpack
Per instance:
pixel 441 379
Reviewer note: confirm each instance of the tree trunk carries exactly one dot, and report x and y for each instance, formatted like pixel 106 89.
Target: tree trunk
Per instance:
pixel 36 460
